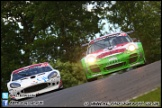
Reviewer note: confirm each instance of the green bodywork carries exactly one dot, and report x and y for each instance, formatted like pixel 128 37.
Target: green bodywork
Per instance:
pixel 126 59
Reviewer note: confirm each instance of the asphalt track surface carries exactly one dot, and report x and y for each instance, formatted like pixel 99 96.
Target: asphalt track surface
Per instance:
pixel 113 88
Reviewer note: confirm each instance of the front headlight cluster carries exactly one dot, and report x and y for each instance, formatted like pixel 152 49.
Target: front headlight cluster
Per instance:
pixel 14 85
pixel 90 59
pixel 131 47
pixel 52 75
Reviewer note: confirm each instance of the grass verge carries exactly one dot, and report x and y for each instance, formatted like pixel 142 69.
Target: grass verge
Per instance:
pixel 150 99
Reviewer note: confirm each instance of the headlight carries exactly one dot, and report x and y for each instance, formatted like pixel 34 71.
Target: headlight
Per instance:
pixel 131 47
pixel 91 59
pixel 14 85
pixel 52 75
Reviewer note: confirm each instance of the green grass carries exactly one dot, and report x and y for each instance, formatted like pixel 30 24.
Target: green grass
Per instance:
pixel 149 99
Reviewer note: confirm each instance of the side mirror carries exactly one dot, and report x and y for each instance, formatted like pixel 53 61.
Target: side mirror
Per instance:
pixel 135 40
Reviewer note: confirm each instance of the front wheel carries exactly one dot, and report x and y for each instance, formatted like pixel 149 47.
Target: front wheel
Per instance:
pixel 145 62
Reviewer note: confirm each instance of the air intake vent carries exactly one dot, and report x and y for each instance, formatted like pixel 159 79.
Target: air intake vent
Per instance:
pixel 32 77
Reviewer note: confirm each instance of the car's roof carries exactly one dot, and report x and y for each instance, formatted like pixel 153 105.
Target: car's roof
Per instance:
pixel 30 66
pixel 108 35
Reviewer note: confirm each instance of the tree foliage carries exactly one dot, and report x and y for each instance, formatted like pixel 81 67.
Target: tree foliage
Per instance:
pixel 71 73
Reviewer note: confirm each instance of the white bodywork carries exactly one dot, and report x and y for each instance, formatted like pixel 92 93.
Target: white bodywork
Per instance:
pixel 35 84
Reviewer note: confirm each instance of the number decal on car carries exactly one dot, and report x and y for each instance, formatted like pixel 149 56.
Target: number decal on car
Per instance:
pixel 113 58
pixel 42 78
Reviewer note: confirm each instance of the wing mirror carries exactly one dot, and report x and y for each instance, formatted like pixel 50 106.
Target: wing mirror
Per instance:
pixel 135 40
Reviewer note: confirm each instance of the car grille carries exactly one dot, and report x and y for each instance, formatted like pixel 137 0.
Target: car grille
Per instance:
pixel 115 66
pixel 133 58
pixel 35 88
pixel 95 68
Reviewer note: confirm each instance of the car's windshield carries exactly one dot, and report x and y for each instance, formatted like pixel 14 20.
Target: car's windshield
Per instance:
pixel 107 42
pixel 30 71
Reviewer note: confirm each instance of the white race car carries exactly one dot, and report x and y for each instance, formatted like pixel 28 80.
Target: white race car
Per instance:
pixel 32 80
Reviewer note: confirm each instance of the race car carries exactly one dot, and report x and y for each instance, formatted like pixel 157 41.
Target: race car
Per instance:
pixel 32 80
pixel 112 53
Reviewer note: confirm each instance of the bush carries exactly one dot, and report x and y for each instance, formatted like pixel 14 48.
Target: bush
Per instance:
pixel 72 74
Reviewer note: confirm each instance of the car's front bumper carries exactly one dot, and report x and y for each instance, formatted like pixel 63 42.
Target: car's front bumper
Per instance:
pixel 32 91
pixel 114 63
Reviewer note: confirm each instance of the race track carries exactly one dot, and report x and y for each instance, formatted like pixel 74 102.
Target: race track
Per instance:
pixel 118 87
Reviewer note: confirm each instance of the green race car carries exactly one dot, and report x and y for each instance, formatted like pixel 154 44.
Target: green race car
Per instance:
pixel 111 53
